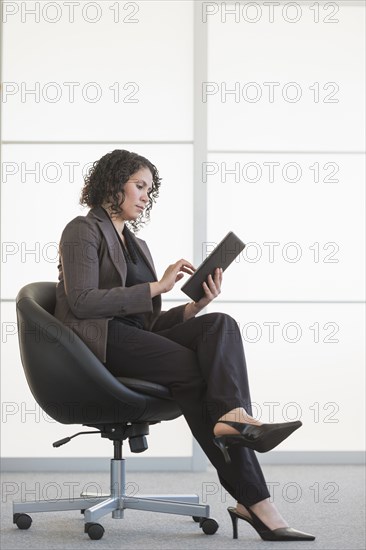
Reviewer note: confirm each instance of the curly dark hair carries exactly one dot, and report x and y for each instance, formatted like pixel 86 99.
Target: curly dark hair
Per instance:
pixel 107 177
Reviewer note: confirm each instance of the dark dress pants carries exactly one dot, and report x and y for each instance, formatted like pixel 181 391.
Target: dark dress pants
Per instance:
pixel 202 362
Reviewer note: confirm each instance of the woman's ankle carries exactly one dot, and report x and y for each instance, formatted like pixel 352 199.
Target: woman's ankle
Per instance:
pixel 242 510
pixel 239 415
pixel 267 512
pixel 236 415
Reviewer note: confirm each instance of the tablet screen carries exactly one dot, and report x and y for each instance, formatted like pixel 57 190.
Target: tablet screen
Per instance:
pixel 222 256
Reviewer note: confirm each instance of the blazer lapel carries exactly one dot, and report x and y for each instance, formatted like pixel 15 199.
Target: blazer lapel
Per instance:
pixel 111 239
pixel 114 246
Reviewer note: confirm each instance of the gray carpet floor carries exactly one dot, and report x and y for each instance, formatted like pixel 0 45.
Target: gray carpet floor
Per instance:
pixel 327 501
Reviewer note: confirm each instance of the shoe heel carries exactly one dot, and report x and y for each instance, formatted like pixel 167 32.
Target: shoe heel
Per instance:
pixel 220 442
pixel 234 520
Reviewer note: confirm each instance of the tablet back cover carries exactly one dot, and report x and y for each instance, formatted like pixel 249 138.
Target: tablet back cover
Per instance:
pixel 222 256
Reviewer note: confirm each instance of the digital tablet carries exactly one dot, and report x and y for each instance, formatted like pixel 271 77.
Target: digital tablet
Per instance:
pixel 222 256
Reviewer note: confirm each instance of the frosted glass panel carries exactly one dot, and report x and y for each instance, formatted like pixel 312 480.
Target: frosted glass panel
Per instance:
pixel 100 71
pixel 299 359
pixel 41 189
pixel 302 217
pixel 289 83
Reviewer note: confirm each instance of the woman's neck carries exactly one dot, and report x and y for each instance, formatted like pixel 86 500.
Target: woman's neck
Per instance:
pixel 119 225
pixel 118 222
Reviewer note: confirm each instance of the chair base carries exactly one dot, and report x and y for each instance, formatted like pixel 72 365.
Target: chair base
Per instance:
pixel 95 506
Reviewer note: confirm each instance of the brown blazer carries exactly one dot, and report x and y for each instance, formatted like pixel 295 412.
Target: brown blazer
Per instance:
pixel 91 288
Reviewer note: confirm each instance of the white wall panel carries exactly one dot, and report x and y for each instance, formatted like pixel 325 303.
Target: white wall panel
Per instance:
pixel 38 205
pixel 130 71
pixel 248 47
pixel 324 219
pixel 306 357
pixel 306 361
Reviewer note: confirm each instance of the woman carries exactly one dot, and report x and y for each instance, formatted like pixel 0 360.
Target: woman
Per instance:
pixel 109 294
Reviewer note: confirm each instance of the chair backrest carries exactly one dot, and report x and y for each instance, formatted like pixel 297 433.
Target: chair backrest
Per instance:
pixel 66 378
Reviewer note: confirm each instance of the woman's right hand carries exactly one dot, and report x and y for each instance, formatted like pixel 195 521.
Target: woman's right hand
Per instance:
pixel 172 275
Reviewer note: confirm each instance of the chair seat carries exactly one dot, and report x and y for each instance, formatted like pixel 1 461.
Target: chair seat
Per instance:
pixel 143 386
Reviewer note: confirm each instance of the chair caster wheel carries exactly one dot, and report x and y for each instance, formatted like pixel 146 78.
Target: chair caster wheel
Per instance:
pixel 209 526
pixel 197 519
pixel 22 521
pixel 94 530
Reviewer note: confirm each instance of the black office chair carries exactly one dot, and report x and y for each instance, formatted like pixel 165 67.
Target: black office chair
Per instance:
pixel 72 386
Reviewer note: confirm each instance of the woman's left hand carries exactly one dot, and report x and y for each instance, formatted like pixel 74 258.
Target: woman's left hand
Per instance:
pixel 212 289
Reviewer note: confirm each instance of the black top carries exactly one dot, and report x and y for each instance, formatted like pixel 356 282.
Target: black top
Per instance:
pixel 138 271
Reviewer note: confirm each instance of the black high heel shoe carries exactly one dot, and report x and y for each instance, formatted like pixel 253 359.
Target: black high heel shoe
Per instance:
pixel 282 533
pixel 261 438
